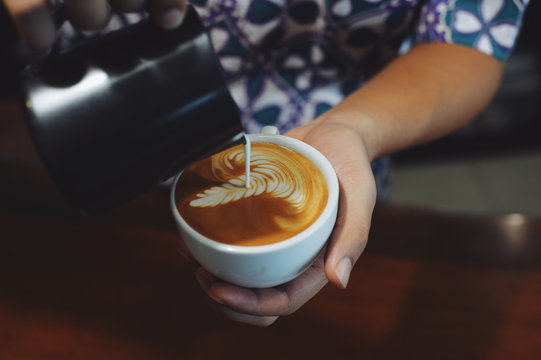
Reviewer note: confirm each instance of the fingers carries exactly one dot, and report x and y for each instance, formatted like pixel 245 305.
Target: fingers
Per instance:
pixel 261 307
pixel 169 14
pixel 88 14
pixel 36 28
pixel 261 321
pixel 33 21
pixel 93 14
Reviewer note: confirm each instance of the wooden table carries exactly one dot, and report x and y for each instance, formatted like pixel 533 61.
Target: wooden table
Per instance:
pixel 111 286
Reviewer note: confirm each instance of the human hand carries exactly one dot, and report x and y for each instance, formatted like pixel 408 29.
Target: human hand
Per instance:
pixel 35 25
pixel 345 149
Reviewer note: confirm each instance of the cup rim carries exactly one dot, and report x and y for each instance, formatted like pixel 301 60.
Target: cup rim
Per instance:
pixel 304 149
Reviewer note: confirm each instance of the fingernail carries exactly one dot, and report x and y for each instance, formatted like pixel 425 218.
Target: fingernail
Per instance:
pixel 171 18
pixel 343 270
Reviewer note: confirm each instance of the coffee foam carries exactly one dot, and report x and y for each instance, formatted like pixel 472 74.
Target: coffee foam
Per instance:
pixel 286 195
pixel 272 173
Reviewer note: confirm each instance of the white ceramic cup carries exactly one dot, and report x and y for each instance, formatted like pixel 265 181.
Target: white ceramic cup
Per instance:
pixel 273 264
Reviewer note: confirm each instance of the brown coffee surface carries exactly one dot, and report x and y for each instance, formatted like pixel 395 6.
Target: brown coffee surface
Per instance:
pixel 287 194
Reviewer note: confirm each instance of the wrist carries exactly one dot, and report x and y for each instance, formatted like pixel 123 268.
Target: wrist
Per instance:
pixel 362 124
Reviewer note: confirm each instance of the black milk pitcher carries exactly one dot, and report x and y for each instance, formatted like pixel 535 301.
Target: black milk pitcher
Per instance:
pixel 119 114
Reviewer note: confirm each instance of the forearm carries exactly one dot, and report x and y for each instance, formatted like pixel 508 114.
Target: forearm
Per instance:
pixel 424 94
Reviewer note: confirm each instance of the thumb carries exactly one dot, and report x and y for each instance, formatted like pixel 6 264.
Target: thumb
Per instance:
pixel 349 238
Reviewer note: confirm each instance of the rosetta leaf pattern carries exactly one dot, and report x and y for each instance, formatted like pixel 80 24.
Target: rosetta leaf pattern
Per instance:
pixel 280 179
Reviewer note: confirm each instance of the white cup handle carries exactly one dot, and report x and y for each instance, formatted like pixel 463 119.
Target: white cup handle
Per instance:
pixel 270 130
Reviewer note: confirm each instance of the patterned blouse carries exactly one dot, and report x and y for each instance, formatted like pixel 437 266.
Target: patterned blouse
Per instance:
pixel 288 61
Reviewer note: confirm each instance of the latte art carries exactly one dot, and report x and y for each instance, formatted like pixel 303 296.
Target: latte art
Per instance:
pixel 272 173
pixel 286 195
